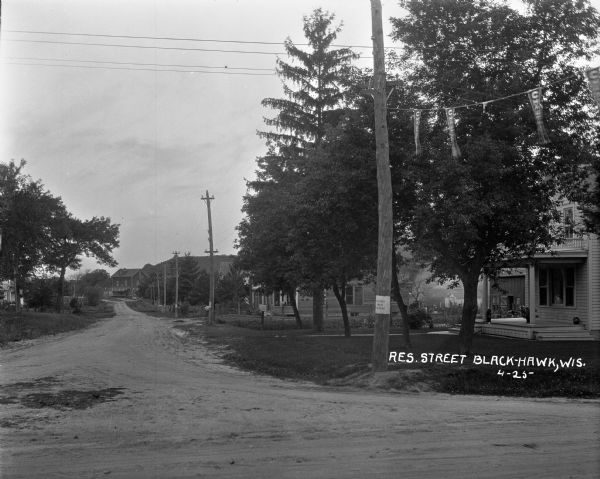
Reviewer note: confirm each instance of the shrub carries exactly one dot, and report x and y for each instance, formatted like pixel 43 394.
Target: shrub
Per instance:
pixel 184 308
pixel 93 295
pixel 418 317
pixel 75 305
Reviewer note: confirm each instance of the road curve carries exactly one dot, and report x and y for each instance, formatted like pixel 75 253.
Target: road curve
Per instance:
pixel 183 414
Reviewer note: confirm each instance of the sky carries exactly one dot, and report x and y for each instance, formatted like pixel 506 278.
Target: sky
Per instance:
pixel 143 147
pixel 101 128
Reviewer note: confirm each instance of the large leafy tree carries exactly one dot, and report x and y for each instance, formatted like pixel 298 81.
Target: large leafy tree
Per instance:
pixel 314 83
pixel 337 210
pixel 264 249
pixel 71 238
pixel 27 215
pixel 589 198
pixel 496 201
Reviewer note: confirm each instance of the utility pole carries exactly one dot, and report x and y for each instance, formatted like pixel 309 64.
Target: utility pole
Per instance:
pixel 165 286
pixel 384 188
pixel 211 251
pixel 157 288
pixel 176 254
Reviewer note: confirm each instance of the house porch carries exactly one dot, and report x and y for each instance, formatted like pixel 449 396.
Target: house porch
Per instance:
pixel 546 330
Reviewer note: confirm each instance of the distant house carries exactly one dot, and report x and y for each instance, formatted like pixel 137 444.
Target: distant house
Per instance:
pixel 560 288
pixel 222 265
pixel 360 300
pixel 7 292
pixel 125 282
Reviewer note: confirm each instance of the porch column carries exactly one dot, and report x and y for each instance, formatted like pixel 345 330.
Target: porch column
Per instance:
pixel 485 297
pixel 531 292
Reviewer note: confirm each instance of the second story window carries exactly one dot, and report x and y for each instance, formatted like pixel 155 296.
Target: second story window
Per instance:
pixel 568 222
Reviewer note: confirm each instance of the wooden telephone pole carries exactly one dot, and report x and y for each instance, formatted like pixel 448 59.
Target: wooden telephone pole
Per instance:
pixel 176 254
pixel 157 288
pixel 384 188
pixel 165 286
pixel 211 251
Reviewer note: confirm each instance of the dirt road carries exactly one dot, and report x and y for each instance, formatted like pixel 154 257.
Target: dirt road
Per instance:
pixel 162 408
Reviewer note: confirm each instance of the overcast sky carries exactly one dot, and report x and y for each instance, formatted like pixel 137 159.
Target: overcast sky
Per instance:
pixel 142 147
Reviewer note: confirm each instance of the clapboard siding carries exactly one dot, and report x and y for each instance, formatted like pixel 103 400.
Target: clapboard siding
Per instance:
pixel 566 313
pixel 594 279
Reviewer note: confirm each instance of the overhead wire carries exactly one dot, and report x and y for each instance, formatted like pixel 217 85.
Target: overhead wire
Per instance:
pixel 186 39
pixel 145 47
pixel 168 65
pixel 138 69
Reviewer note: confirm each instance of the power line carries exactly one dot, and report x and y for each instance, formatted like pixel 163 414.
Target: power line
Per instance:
pixel 145 47
pixel 186 39
pixel 138 69
pixel 227 67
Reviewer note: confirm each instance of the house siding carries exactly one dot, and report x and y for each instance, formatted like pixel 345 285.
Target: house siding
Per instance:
pixel 594 282
pixel 566 313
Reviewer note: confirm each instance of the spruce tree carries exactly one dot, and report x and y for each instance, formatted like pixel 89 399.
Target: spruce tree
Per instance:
pixel 315 82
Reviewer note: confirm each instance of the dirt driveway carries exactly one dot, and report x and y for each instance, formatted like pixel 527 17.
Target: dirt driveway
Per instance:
pixel 129 399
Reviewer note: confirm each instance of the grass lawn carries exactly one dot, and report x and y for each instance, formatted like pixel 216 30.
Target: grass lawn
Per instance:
pixel 327 359
pixel 30 324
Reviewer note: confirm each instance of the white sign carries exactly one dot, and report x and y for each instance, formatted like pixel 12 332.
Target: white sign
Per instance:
pixel 382 305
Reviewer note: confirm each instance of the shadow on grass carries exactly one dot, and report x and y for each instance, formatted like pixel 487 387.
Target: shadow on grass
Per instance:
pixel 294 354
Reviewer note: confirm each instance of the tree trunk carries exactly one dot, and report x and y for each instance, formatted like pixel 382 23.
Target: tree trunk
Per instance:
pixel 342 301
pixel 17 299
pixel 292 295
pixel 401 304
pixel 469 312
pixel 61 290
pixel 318 309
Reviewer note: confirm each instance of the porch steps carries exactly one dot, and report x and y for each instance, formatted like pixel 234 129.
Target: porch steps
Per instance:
pixel 563 333
pixel 539 333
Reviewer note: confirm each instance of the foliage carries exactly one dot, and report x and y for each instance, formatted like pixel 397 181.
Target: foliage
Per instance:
pixel 336 211
pixel 187 275
pixel 590 199
pixel 418 317
pixel 497 200
pixel 71 238
pixel 93 295
pixel 75 305
pixel 97 277
pixel 27 215
pixel 38 231
pixel 232 287
pixel 315 84
pixel 40 293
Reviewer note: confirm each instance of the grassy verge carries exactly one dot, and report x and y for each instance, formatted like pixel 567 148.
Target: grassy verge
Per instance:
pixel 345 361
pixel 146 307
pixel 30 325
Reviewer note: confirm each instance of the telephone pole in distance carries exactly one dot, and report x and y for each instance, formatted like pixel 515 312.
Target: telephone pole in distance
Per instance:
pixel 211 251
pixel 176 254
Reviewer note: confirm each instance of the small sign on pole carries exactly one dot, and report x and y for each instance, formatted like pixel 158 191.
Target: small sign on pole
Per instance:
pixel 382 304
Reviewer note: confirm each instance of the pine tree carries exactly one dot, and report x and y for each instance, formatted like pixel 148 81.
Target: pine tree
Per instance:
pixel 314 83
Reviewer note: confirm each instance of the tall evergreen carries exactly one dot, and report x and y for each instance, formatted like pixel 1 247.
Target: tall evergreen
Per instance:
pixel 315 81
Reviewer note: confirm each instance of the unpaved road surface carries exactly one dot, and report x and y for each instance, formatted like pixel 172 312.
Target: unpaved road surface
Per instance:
pixel 129 399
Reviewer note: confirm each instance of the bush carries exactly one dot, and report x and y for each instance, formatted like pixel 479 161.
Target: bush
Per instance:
pixel 93 295
pixel 418 317
pixel 184 308
pixel 75 305
pixel 40 294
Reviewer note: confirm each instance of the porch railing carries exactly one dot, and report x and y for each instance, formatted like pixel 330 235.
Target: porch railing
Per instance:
pixel 571 244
